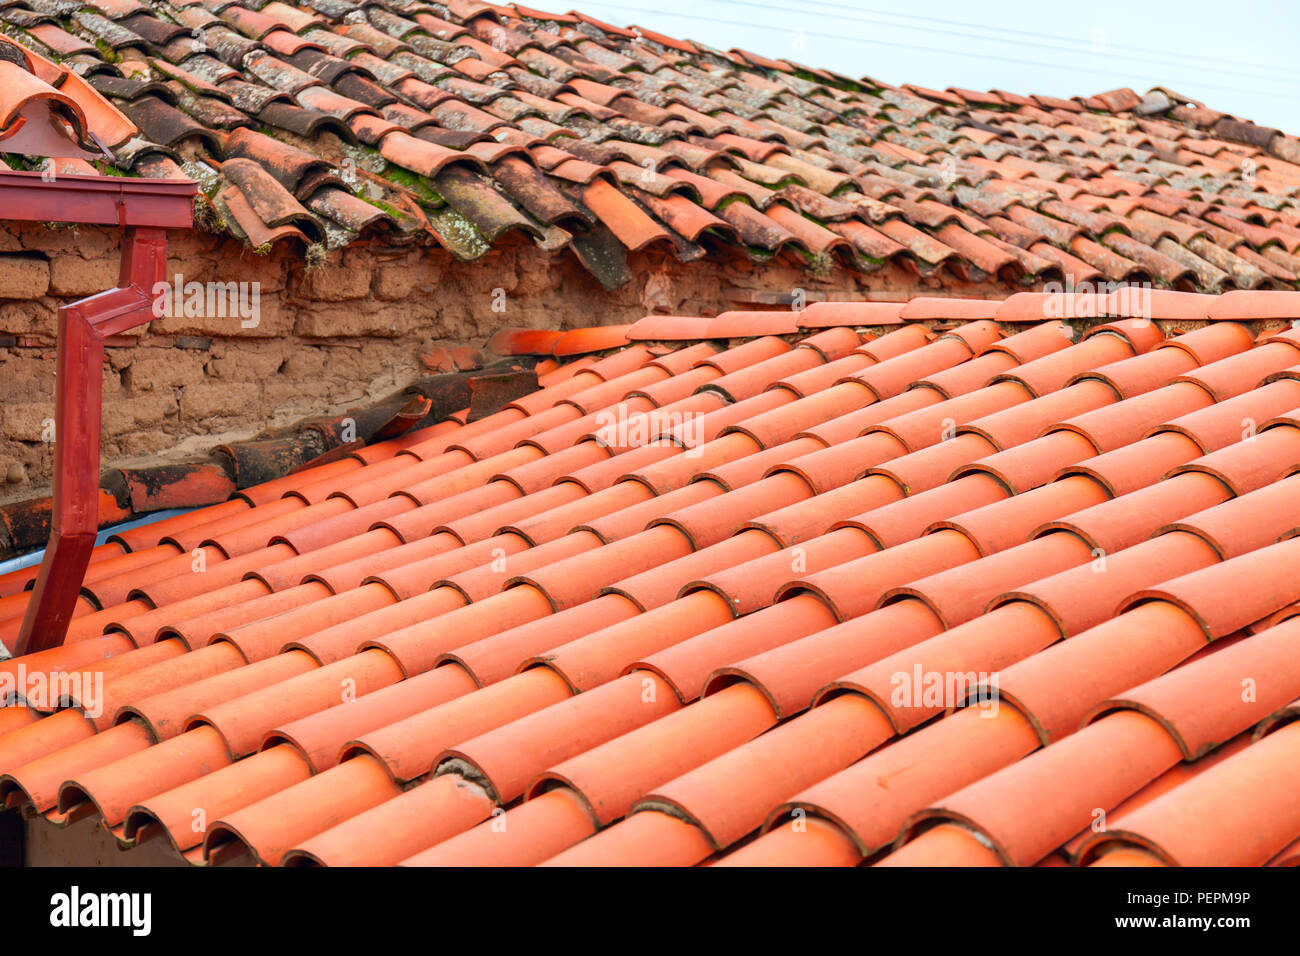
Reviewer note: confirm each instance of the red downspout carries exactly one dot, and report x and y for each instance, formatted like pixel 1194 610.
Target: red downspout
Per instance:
pixel 146 208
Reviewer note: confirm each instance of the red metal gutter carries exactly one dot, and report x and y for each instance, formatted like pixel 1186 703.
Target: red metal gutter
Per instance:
pixel 146 208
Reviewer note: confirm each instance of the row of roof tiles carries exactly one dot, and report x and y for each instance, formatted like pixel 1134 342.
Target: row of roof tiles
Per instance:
pixel 132 493
pixel 657 612
pixel 463 122
pixel 1123 303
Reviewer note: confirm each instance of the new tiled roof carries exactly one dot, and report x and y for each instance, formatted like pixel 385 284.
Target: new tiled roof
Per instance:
pixel 720 595
pixel 46 107
pixel 463 122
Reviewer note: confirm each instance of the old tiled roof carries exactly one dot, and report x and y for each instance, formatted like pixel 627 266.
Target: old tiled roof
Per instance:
pixel 465 121
pixel 740 568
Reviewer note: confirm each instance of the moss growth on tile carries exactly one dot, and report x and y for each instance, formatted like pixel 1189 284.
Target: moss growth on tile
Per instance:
pixel 107 52
pixel 414 183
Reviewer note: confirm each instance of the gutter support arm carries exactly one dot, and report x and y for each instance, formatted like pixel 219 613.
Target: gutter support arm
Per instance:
pixel 83 327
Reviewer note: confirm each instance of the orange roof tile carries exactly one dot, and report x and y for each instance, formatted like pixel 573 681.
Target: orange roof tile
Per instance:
pixel 606 140
pixel 46 110
pixel 681 591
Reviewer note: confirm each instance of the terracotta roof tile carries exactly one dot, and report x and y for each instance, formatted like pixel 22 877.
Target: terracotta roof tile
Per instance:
pixel 758 518
pixel 761 537
pixel 1060 191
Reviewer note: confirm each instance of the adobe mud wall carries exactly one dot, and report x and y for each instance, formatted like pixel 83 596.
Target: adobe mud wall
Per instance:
pixel 353 326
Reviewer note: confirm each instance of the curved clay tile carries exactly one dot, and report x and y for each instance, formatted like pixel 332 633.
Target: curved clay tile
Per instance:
pixel 167 125
pixel 924 247
pixel 29 100
pixel 1204 574
pixel 814 236
pixel 37 89
pixel 272 203
pixel 620 215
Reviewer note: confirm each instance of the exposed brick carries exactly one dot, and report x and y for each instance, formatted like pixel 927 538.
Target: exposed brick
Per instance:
pixel 398 280
pixel 9 241
pixel 326 320
pixel 246 316
pixel 75 276
pixel 89 242
pixel 139 413
pixel 206 400
pixel 338 281
pixel 26 421
pixel 23 277
pixel 155 369
pixel 254 360
pixel 137 441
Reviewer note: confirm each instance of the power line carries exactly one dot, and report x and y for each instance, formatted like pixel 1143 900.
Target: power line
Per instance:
pixel 918 47
pixel 956 33
pixel 1233 67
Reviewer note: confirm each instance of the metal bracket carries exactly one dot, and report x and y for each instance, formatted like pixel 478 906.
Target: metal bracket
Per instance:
pixel 147 208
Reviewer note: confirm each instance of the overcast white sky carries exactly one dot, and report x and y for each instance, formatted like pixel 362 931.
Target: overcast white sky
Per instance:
pixel 1239 57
